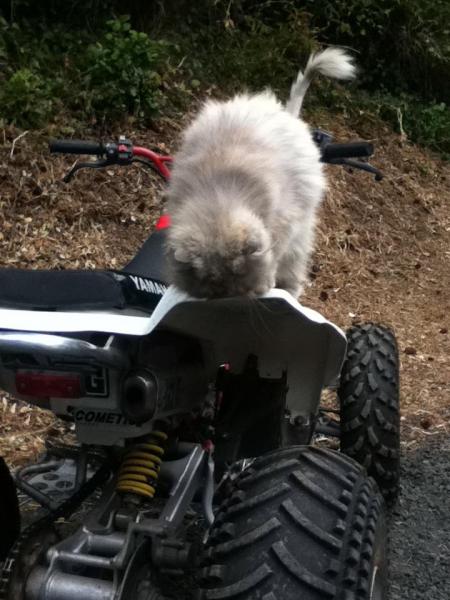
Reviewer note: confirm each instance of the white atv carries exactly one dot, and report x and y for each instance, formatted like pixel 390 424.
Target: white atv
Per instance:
pixel 195 420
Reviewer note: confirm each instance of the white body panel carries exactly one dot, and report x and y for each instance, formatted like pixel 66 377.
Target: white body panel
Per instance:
pixel 130 322
pixel 283 334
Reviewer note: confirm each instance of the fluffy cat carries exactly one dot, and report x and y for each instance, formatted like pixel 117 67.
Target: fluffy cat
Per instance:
pixel 244 192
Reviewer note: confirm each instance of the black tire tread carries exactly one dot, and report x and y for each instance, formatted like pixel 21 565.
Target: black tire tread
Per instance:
pixel 313 541
pixel 369 402
pixel 9 511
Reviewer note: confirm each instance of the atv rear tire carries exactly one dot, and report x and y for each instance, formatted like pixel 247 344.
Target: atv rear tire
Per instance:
pixel 9 511
pixel 369 405
pixel 302 522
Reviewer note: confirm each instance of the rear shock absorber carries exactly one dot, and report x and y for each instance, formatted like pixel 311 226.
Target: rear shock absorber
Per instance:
pixel 139 470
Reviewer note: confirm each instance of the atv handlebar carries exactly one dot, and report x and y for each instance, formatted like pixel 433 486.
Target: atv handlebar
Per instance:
pixel 113 153
pixel 345 154
pixel 124 153
pixel 77 147
pixel 350 150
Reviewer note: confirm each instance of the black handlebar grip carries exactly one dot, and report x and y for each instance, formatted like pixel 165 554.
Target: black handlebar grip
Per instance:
pixel 350 150
pixel 77 147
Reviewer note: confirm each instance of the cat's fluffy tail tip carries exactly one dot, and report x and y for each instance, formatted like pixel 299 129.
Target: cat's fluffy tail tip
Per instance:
pixel 332 62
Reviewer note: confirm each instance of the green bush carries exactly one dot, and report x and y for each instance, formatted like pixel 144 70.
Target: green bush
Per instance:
pixel 69 66
pixel 123 72
pixel 24 98
pixel 402 48
pixel 52 73
pixel 432 128
pixel 402 45
pixel 37 72
pixel 425 123
pixel 236 50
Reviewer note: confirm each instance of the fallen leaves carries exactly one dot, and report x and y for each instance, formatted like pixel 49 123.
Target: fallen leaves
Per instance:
pixel 24 429
pixel 410 350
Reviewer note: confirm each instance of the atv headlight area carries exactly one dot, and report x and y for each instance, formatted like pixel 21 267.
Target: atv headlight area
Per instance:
pixel 139 398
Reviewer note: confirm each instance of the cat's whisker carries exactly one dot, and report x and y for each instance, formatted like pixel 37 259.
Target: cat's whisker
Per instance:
pixel 263 327
pixel 265 307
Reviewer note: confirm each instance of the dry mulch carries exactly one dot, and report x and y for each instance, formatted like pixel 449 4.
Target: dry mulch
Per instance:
pixel 383 255
pixel 382 251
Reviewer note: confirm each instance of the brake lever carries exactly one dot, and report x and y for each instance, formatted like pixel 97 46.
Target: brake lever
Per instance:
pixel 96 164
pixel 357 164
pixel 116 154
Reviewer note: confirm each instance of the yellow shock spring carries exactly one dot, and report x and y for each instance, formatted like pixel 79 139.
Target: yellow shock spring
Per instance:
pixel 139 470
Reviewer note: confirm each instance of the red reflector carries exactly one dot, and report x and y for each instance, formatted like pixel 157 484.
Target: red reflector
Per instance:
pixel 48 385
pixel 163 222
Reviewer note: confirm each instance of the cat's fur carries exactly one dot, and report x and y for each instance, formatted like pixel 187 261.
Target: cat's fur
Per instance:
pixel 244 192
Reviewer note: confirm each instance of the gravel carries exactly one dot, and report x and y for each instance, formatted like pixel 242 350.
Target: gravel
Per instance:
pixel 420 524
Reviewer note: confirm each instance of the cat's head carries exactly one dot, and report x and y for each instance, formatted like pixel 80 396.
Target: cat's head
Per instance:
pixel 221 255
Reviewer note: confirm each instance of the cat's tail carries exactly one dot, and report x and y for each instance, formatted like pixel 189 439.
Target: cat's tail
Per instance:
pixel 332 62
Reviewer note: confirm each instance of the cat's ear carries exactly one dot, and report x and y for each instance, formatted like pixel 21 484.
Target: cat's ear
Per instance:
pixel 182 255
pixel 254 246
pixel 189 257
pixel 251 246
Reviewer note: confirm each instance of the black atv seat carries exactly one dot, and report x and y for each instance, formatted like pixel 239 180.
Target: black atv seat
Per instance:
pixel 150 261
pixel 140 284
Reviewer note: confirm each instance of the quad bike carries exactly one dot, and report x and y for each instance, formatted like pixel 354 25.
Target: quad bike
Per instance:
pixel 194 422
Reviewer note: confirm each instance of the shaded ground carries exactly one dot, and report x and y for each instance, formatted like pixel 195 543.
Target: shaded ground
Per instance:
pixel 420 524
pixel 382 254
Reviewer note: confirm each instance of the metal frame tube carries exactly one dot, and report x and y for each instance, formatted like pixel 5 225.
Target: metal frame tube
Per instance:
pixel 56 346
pixel 66 586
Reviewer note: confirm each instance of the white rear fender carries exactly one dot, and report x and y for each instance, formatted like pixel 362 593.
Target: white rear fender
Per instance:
pixel 284 335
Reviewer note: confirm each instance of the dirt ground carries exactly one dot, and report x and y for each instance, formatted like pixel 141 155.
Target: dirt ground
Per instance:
pixel 382 255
